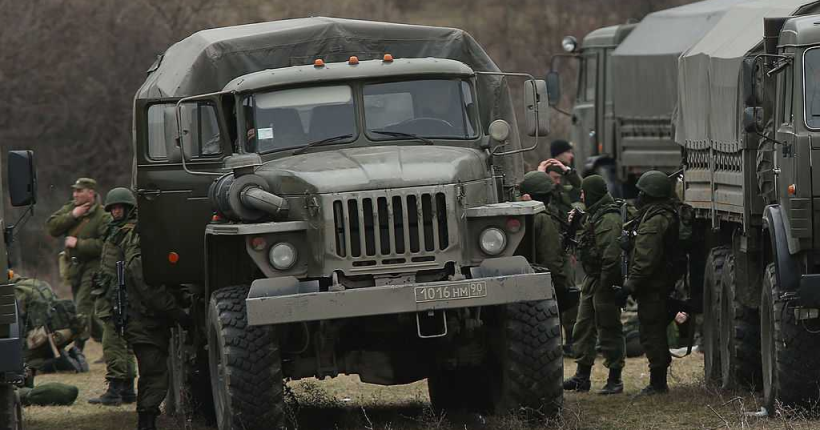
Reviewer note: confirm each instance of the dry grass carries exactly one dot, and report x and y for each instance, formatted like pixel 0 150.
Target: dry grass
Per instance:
pixel 346 404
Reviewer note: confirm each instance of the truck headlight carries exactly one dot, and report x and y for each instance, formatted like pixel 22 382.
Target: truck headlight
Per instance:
pixel 282 256
pixel 492 241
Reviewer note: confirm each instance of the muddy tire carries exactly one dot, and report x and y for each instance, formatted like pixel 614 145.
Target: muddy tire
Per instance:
pixel 791 365
pixel 529 371
pixel 11 411
pixel 189 387
pixel 739 336
pixel 245 366
pixel 712 291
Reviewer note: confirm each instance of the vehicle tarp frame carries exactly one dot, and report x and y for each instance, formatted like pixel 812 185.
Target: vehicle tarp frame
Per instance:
pixel 645 64
pixel 207 60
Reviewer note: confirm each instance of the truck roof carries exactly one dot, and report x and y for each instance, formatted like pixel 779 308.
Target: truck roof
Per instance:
pixel 709 79
pixel 645 64
pixel 607 36
pixel 345 71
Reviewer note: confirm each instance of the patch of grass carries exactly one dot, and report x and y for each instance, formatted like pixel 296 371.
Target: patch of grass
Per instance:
pixel 344 403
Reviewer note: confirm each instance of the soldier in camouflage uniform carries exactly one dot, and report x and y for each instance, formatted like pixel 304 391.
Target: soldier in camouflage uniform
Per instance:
pixel 546 228
pixel 151 311
pixel 650 278
pixel 599 312
pixel 119 360
pixel 83 223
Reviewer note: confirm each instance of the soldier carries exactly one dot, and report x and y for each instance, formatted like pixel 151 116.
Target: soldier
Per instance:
pixel 119 360
pixel 599 312
pixel 563 153
pixel 654 234
pixel 151 310
pixel 83 223
pixel 546 229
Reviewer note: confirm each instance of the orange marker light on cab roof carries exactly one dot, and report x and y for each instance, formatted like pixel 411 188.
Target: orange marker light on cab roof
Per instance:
pixel 792 190
pixel 319 63
pixel 387 58
pixel 354 60
pixel 173 257
pixel 11 274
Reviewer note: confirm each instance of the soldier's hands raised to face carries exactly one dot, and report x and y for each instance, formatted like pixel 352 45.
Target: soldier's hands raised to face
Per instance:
pixel 81 210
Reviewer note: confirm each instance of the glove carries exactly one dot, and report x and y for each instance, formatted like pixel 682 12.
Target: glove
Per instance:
pixel 621 296
pixel 182 318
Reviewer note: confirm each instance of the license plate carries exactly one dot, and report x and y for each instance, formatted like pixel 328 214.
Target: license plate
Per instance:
pixel 467 290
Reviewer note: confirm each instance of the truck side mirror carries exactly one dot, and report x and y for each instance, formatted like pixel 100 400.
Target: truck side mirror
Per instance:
pixel 554 88
pixel 22 178
pixel 198 129
pixel 537 105
pixel 753 119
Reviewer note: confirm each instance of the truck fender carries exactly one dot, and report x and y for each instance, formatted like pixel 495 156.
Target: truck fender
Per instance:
pixel 786 265
pixel 11 348
pixel 282 286
pixel 503 266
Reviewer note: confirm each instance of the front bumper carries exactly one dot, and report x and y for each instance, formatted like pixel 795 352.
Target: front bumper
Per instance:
pixel 396 299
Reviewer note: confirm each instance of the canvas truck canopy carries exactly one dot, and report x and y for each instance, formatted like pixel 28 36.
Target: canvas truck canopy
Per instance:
pixel 645 64
pixel 709 82
pixel 207 60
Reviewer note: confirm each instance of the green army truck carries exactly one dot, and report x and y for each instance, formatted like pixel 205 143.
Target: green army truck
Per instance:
pixel 22 192
pixel 336 197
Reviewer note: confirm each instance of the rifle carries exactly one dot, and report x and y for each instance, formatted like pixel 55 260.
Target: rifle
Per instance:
pixel 120 307
pixel 625 242
pixel 576 220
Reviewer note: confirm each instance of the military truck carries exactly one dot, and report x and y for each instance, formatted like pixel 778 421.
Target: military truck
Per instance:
pixel 22 191
pixel 336 197
pixel 743 122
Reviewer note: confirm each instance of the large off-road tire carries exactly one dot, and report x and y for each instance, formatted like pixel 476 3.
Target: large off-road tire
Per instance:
pixel 11 411
pixel 712 291
pixel 739 336
pixel 189 388
pixel 245 366
pixel 791 365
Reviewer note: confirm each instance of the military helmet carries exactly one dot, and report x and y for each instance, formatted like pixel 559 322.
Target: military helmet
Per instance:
pixel 655 184
pixel 119 196
pixel 536 183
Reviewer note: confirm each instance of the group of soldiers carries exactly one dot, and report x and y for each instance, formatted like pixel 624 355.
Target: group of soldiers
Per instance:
pixel 624 250
pixel 98 238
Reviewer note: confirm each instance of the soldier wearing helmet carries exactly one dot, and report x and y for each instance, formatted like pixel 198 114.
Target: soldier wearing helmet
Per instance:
pixel 654 236
pixel 119 359
pixel 549 252
pixel 82 222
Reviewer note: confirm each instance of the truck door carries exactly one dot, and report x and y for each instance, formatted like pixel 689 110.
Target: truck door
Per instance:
pixel 585 113
pixel 173 204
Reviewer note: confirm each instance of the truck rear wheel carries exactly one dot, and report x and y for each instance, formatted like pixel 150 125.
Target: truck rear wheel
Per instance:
pixel 528 371
pixel 791 366
pixel 739 336
pixel 712 290
pixel 11 411
pixel 245 366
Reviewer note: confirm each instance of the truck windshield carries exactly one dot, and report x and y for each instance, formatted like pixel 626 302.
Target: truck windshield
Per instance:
pixel 811 70
pixel 293 118
pixel 433 108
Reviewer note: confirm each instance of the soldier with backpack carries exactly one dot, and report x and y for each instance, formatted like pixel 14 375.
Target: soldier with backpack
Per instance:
pixel 599 312
pixel 651 241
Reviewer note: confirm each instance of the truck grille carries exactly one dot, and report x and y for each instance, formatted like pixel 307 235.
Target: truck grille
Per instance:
pixel 400 226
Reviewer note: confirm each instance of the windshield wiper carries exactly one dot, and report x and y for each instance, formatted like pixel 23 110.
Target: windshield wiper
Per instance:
pixel 405 135
pixel 321 142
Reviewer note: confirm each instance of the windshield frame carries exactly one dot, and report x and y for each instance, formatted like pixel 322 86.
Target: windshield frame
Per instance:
pixel 471 84
pixel 804 91
pixel 251 97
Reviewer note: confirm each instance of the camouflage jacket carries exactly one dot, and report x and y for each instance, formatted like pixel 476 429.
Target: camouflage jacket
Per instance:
pixel 548 250
pixel 655 240
pixel 89 230
pixel 598 247
pixel 112 252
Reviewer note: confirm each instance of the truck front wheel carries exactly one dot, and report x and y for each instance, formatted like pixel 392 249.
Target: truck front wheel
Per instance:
pixel 245 366
pixel 739 335
pixel 791 365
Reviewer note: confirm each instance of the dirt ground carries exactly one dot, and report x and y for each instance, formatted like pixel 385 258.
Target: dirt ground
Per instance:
pixel 346 404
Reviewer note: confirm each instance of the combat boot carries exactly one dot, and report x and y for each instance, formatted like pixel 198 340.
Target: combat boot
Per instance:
pixel 111 397
pixel 657 383
pixel 127 391
pixel 579 382
pixel 147 421
pixel 614 385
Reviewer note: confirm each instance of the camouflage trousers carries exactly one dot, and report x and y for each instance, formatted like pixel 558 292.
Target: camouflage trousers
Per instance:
pixel 150 339
pixel 84 301
pixel 599 323
pixel 654 319
pixel 119 359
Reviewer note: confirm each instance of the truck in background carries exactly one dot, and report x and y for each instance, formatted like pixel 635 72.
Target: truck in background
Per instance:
pixel 335 197
pixel 22 183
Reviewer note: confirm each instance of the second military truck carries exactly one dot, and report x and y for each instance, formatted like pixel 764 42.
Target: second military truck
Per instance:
pixel 334 197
